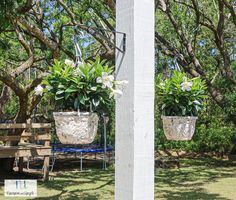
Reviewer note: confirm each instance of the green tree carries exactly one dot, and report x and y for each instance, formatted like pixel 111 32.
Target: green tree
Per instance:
pixel 200 37
pixel 35 32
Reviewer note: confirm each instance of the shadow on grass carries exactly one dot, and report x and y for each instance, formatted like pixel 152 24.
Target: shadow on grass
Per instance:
pixel 89 185
pixel 65 164
pixel 17 175
pixel 208 162
pixel 191 170
pixel 191 177
pixel 190 195
pixel 188 182
pixel 69 196
pixel 73 185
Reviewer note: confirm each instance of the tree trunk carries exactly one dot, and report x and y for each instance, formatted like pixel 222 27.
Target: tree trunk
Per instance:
pixel 6 164
pixel 4 98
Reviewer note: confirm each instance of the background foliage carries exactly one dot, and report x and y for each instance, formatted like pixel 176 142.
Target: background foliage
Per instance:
pixel 197 36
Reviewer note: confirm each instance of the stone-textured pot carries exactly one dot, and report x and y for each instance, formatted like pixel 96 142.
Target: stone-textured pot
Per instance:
pixel 178 127
pixel 76 128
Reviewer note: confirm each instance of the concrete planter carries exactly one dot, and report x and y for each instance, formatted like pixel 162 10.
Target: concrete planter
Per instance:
pixel 76 128
pixel 178 127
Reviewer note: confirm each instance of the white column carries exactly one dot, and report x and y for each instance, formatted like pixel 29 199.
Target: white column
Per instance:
pixel 134 172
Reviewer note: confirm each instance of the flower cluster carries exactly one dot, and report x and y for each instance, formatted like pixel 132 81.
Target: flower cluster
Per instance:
pixel 108 82
pixel 179 95
pixel 186 86
pixel 70 63
pixel 84 86
pixel 39 90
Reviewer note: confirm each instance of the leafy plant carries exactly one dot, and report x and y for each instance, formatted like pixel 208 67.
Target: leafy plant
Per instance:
pixel 86 87
pixel 179 95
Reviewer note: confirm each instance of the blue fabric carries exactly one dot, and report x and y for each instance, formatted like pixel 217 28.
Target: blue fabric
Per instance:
pixel 80 150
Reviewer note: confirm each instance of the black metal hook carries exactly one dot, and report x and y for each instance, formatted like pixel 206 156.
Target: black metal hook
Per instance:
pixel 112 31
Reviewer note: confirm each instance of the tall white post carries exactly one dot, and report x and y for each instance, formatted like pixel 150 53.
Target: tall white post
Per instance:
pixel 134 172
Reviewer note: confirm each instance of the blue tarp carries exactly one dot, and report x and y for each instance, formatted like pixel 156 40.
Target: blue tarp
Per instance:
pixel 80 150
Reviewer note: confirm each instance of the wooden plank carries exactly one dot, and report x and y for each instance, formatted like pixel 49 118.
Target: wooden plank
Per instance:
pixel 43 137
pixel 23 147
pixel 11 152
pixel 10 138
pixel 24 125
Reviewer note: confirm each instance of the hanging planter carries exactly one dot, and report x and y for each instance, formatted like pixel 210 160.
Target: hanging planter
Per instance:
pixel 180 99
pixel 178 127
pixel 76 128
pixel 84 86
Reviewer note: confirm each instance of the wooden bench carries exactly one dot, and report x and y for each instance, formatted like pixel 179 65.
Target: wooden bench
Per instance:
pixel 30 148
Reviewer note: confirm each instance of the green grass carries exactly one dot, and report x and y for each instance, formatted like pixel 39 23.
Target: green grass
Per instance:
pixel 196 179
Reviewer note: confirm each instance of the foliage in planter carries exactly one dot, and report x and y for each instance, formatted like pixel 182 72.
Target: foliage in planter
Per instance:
pixel 86 87
pixel 180 95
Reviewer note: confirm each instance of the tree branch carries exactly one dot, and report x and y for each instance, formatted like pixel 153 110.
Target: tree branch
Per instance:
pixel 10 81
pixel 29 88
pixel 231 10
pixel 29 62
pixel 103 41
pixel 35 31
pixel 111 4
pixel 28 5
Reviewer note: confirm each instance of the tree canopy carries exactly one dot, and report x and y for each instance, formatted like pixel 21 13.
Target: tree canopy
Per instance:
pixel 35 32
pixel 198 36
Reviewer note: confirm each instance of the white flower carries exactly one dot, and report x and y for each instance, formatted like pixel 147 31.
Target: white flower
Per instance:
pixel 78 71
pixel 69 63
pixel 106 80
pixel 162 84
pixel 38 90
pixel 186 86
pixel 115 93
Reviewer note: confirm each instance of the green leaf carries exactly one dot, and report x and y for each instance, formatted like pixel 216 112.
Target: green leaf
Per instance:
pixel 60 92
pixel 95 102
pixel 71 90
pixel 61 86
pixel 94 88
pixel 58 98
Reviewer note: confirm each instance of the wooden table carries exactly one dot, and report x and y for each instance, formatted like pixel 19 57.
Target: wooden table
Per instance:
pixel 24 148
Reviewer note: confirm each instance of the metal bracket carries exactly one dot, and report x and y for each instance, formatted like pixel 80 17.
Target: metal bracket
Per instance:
pixel 123 49
pixel 123 42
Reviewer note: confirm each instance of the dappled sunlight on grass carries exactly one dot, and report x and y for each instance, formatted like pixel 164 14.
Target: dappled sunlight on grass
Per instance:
pixel 196 179
pixel 96 184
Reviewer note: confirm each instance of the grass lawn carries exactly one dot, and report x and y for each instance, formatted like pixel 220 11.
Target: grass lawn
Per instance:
pixel 196 179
